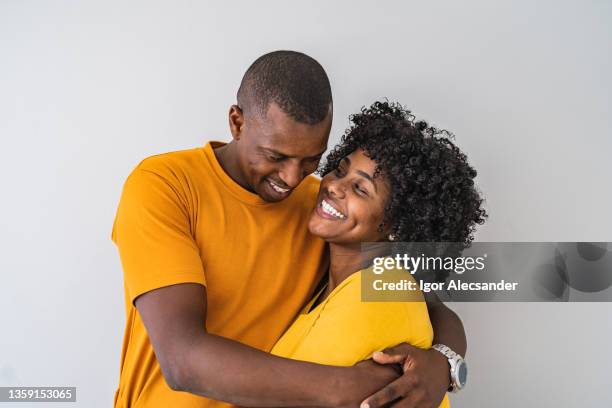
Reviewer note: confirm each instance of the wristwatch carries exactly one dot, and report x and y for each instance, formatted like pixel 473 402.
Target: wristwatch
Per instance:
pixel 458 368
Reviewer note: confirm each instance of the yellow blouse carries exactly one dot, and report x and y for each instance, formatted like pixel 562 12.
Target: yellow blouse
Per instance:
pixel 342 330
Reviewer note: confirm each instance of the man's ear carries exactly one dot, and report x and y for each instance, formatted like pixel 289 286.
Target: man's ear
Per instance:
pixel 236 121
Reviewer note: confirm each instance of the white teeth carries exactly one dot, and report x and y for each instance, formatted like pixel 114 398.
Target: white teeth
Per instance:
pixel 277 188
pixel 331 210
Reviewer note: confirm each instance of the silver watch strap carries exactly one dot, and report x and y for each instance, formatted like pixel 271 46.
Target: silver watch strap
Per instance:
pixel 453 359
pixel 447 351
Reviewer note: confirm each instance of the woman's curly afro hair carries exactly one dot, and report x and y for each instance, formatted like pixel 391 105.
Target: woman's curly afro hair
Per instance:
pixel 432 193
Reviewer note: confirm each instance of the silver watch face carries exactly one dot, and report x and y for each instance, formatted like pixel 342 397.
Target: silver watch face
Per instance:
pixel 461 374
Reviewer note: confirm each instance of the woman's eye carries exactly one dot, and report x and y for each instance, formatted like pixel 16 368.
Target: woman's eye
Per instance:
pixel 276 158
pixel 360 190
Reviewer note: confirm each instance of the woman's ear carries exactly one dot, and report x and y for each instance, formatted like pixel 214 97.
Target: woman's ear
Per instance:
pixel 386 232
pixel 236 121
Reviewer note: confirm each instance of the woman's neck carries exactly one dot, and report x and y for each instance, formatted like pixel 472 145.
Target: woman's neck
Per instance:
pixel 343 262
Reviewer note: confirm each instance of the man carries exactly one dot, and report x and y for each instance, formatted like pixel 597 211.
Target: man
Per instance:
pixel 218 261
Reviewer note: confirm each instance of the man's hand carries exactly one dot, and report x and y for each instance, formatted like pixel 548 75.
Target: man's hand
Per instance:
pixel 424 383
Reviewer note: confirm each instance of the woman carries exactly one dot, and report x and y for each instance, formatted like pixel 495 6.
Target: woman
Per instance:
pixel 390 179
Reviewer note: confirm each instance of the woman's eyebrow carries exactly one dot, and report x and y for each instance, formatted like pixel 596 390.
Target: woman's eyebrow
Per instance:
pixel 360 172
pixel 368 177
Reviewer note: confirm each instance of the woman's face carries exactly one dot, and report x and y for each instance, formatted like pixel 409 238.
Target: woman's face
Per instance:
pixel 351 202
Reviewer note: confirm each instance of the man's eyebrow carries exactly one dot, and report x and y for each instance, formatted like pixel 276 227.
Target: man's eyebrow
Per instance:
pixel 276 152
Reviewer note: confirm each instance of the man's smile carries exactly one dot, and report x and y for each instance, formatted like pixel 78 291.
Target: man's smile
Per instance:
pixel 277 187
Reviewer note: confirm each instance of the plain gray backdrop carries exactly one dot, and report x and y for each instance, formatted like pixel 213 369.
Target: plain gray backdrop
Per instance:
pixel 89 88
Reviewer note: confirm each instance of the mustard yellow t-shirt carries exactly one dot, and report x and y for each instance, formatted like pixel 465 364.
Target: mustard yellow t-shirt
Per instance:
pixel 182 219
pixel 342 330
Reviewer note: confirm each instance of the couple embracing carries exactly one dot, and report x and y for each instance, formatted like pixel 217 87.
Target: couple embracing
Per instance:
pixel 242 270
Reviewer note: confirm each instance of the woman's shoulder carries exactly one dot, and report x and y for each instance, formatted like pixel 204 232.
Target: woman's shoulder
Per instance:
pixel 360 327
pixel 350 296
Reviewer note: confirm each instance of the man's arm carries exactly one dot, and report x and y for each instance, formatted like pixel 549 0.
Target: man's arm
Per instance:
pixel 153 232
pixel 426 376
pixel 195 361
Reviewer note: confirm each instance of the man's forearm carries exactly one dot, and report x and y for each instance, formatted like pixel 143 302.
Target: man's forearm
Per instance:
pixel 219 368
pixel 447 326
pixel 201 363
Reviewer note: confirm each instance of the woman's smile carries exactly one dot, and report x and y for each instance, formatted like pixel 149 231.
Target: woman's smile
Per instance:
pixel 328 210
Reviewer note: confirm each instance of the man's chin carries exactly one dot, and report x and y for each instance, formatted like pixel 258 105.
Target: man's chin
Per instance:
pixel 269 199
pixel 275 199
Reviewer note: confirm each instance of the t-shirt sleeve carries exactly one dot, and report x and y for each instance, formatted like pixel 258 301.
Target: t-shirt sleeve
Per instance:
pixel 153 233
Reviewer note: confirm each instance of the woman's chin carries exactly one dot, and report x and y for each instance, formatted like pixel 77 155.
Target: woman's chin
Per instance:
pixel 315 227
pixel 319 228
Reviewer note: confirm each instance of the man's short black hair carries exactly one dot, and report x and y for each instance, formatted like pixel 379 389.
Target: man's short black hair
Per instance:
pixel 294 81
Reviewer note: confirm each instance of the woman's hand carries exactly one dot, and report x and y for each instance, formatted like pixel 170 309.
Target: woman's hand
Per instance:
pixel 424 383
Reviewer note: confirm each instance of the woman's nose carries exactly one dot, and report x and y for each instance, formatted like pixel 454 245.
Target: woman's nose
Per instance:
pixel 336 188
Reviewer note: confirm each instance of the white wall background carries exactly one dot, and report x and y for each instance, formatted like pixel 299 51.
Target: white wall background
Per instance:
pixel 89 88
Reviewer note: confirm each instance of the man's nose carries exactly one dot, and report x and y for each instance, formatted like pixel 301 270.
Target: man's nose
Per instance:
pixel 292 174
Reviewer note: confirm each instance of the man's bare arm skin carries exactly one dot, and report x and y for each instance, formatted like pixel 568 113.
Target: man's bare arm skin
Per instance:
pixel 195 361
pixel 426 372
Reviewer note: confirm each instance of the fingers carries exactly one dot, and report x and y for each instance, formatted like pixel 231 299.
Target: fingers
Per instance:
pixel 385 396
pixel 403 348
pixel 407 363
pixel 417 398
pixel 405 392
pixel 384 358
pixel 408 391
pixel 402 354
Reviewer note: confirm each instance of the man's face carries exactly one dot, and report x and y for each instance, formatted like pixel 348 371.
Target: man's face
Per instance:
pixel 275 153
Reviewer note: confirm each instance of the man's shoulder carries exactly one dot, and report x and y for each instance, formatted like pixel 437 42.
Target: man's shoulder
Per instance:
pixel 178 168
pixel 312 180
pixel 309 188
pixel 303 198
pixel 179 160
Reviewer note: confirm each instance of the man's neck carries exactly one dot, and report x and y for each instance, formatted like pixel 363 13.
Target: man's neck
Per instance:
pixel 228 160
